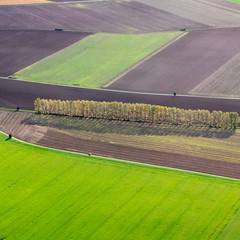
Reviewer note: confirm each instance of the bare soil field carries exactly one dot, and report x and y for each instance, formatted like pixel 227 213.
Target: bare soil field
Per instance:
pixel 15 123
pixel 19 49
pixel 225 3
pixel 202 11
pixel 117 17
pixel 15 93
pixel 224 82
pixel 184 64
pixel 180 161
pixel 18 2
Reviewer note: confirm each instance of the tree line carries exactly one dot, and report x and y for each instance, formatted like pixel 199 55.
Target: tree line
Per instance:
pixel 137 112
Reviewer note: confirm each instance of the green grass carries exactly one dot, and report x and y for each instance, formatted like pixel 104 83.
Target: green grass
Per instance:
pixel 48 194
pixel 96 59
pixel 234 1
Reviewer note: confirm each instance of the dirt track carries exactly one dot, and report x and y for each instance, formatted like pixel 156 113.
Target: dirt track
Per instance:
pixel 15 93
pixel 184 64
pixel 19 49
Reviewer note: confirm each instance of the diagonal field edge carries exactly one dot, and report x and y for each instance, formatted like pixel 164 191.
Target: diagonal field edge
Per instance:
pixel 142 61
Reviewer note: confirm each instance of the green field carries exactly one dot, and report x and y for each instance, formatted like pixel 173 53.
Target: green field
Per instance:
pixel 96 59
pixel 234 1
pixel 47 194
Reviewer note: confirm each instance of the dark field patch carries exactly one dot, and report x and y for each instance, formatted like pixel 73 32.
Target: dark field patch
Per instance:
pixel 184 64
pixel 117 17
pixel 18 93
pixel 19 49
pixel 62 141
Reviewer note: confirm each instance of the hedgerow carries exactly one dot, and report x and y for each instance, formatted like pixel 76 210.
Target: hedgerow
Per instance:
pixel 136 112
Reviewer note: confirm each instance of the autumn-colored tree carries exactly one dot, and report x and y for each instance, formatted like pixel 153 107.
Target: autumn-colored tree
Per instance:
pixel 136 112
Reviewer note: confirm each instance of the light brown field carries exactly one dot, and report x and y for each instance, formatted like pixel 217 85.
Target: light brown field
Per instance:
pixel 17 2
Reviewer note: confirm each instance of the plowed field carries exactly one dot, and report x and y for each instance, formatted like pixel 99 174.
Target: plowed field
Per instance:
pixel 17 2
pixel 202 11
pixel 19 49
pixel 125 17
pixel 184 64
pixel 226 3
pixel 18 93
pixel 224 82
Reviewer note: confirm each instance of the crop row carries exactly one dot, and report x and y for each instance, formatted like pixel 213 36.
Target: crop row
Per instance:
pixel 136 112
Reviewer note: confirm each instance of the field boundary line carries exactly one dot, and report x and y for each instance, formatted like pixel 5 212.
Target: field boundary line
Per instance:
pixel 143 60
pixel 124 161
pixel 122 91
pixel 206 80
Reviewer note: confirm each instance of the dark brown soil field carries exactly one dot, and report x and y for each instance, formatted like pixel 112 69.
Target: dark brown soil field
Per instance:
pixel 19 49
pixel 15 93
pixel 15 123
pixel 202 11
pixel 61 141
pixel 184 64
pixel 117 17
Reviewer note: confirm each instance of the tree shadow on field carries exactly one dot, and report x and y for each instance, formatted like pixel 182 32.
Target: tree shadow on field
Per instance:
pixel 125 127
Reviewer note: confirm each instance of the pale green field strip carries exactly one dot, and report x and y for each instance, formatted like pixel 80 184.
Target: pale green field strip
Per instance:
pixel 96 59
pixel 234 1
pixel 48 194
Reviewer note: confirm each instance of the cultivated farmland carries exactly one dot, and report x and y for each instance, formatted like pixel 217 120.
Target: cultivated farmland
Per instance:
pixel 201 149
pixel 225 3
pixel 17 2
pixel 107 16
pixel 184 64
pixel 89 199
pixel 18 49
pixel 95 60
pixel 224 82
pixel 235 1
pixel 203 12
pixel 15 93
